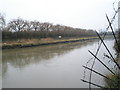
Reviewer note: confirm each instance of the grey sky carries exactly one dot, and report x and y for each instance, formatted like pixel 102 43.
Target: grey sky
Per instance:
pixel 89 14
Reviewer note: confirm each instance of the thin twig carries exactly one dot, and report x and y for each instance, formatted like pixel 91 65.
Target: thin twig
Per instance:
pixel 92 83
pixel 112 31
pixel 101 44
pixel 113 18
pixel 102 63
pixel 97 73
pixel 108 50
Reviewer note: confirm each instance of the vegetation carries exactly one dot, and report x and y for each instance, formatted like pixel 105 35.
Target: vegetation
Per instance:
pixel 23 29
pixel 39 42
pixel 117 47
pixel 22 33
pixel 115 83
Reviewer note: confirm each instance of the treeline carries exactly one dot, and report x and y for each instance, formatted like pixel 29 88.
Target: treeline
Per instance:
pixel 23 29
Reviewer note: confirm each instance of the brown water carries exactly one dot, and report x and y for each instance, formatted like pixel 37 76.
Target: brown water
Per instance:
pixel 53 66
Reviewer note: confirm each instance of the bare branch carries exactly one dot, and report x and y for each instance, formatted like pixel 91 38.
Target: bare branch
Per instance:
pixel 92 83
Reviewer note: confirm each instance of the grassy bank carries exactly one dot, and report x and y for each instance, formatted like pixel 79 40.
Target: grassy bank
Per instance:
pixel 114 82
pixel 22 43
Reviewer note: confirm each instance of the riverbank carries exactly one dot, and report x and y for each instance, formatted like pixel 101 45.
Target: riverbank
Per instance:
pixel 115 83
pixel 40 42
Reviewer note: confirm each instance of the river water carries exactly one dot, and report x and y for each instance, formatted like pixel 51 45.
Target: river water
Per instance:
pixel 53 66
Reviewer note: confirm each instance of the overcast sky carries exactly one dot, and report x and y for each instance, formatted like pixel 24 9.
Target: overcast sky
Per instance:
pixel 88 14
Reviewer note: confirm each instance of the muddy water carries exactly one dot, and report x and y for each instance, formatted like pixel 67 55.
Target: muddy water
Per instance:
pixel 52 66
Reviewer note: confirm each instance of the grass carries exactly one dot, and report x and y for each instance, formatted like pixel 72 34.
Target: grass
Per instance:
pixel 115 83
pixel 37 42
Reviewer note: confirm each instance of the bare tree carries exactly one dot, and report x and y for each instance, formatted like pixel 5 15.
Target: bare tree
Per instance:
pixel 28 26
pixel 17 25
pixel 35 25
pixel 2 21
pixel 47 26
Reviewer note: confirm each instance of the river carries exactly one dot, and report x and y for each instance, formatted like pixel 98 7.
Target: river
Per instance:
pixel 53 66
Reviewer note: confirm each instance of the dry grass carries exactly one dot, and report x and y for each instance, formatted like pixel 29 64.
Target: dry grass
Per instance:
pixel 27 41
pixel 115 83
pixel 34 42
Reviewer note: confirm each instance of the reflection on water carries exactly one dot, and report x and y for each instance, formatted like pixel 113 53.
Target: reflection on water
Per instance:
pixel 19 58
pixel 47 66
